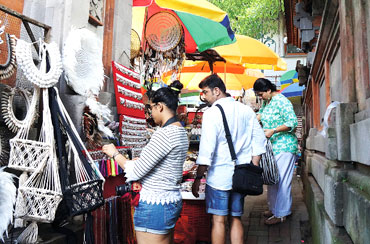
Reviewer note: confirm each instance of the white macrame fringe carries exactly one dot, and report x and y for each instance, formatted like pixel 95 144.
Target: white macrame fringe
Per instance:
pixel 20 205
pixel 8 193
pixel 29 235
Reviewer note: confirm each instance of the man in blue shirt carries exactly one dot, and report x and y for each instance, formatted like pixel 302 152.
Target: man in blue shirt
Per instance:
pixel 214 156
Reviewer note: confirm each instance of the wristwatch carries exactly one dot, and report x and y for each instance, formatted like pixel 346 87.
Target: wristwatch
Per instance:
pixel 274 130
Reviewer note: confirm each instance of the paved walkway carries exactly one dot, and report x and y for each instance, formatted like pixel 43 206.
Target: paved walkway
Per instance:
pixel 295 230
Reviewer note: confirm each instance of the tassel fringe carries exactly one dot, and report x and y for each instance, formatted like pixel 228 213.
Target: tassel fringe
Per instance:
pixel 29 235
pixel 20 205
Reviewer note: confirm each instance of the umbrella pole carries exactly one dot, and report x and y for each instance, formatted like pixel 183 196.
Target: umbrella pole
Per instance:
pixel 225 73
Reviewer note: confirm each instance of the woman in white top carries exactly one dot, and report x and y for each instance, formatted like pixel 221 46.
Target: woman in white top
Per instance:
pixel 159 169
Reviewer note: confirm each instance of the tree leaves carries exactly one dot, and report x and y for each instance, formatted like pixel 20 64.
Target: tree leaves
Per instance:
pixel 254 18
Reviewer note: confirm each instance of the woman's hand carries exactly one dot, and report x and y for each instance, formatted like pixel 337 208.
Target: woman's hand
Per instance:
pixel 269 132
pixel 110 150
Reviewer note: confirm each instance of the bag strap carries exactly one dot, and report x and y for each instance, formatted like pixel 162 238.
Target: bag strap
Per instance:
pixel 228 135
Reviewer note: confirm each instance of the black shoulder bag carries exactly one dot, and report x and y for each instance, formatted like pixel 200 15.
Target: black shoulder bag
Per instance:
pixel 247 178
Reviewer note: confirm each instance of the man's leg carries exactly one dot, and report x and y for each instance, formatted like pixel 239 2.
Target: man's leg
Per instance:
pixel 217 204
pixel 218 229
pixel 236 230
pixel 236 211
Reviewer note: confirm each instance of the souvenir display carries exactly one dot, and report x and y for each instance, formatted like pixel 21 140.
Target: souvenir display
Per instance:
pixel 82 62
pixel 39 76
pixel 8 68
pixel 133 133
pixel 108 166
pixel 13 123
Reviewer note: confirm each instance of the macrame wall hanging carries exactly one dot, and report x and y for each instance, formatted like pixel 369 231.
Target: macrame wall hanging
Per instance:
pixel 8 68
pixel 7 108
pixel 42 77
pixel 164 46
pixel 84 72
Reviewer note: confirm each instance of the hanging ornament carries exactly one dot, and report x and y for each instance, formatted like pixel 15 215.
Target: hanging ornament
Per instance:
pixel 7 69
pixel 82 62
pixel 13 123
pixel 41 77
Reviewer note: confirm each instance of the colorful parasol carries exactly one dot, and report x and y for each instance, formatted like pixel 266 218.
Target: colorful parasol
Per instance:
pixel 204 67
pixel 289 84
pixel 249 52
pixel 232 81
pixel 205 26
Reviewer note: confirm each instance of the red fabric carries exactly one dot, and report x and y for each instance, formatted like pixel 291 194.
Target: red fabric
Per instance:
pixel 120 108
pixel 141 3
pixel 111 183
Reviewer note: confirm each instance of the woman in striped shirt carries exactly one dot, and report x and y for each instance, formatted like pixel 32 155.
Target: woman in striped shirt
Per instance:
pixel 159 169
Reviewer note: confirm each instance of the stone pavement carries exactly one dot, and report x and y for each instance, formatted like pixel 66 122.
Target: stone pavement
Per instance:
pixel 295 230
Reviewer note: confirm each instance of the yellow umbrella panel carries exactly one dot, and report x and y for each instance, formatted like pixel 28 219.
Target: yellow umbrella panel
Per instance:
pixel 247 50
pixel 232 81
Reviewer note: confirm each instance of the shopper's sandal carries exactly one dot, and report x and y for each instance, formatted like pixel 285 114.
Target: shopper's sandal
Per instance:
pixel 273 220
pixel 267 214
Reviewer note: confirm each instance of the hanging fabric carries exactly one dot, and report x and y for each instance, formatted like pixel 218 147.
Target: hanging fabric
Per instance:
pixel 82 183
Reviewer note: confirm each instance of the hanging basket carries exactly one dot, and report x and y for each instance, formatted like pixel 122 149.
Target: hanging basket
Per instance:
pixel 42 191
pixel 25 154
pixel 84 197
pixel 82 183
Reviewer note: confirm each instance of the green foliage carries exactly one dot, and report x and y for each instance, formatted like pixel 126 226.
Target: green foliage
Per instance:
pixel 254 18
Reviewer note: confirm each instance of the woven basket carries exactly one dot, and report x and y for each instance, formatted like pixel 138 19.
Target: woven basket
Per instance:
pixel 26 155
pixel 41 204
pixel 85 197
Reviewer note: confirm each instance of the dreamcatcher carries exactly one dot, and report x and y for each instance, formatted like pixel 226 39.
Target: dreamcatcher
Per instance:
pixel 7 109
pixel 165 48
pixel 8 68
pixel 135 45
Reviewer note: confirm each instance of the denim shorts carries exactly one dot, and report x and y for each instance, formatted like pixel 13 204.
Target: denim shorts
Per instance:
pixel 156 218
pixel 224 203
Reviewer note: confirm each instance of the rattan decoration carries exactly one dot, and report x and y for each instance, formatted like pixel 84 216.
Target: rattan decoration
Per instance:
pixel 40 76
pixel 13 123
pixel 163 31
pixel 26 154
pixel 4 151
pixel 7 69
pixel 135 44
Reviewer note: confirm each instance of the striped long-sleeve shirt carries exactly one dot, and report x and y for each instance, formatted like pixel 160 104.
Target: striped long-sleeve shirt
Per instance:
pixel 159 167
